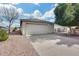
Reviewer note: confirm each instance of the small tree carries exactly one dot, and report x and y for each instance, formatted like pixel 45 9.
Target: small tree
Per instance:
pixel 9 12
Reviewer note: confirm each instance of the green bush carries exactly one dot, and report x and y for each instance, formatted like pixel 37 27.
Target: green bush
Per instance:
pixel 3 35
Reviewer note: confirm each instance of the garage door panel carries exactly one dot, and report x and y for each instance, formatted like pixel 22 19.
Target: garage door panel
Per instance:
pixel 38 29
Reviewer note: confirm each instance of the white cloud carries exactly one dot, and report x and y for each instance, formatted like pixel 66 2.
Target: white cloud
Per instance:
pixel 36 4
pixel 10 3
pixel 26 14
pixel 14 3
pixel 37 14
pixel 49 13
pixel 20 10
pixel 56 4
pixel 52 20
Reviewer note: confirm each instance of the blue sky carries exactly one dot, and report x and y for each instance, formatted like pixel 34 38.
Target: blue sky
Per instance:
pixel 46 10
pixel 35 10
pixel 30 7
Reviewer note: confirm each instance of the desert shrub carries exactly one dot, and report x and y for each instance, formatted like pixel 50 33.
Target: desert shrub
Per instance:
pixel 3 35
pixel 15 28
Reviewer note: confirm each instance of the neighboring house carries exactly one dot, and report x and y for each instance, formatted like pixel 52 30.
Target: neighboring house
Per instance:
pixel 36 26
pixel 62 29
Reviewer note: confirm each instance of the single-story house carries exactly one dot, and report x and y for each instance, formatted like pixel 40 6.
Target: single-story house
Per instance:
pixel 59 28
pixel 36 26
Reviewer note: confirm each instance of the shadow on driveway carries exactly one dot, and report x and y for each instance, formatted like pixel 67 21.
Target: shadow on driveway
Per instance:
pixel 62 39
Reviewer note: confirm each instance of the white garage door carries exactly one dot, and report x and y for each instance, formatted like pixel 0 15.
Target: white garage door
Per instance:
pixel 38 29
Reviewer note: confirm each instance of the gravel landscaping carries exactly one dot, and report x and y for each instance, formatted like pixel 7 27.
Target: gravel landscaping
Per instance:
pixel 17 45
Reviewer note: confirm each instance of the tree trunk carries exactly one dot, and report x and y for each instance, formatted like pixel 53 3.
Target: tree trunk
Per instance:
pixel 9 27
pixel 70 30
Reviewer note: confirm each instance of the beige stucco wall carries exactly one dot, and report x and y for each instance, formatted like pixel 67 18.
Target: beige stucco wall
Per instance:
pixel 37 28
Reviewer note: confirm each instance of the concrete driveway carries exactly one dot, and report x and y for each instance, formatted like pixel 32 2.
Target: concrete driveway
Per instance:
pixel 55 45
